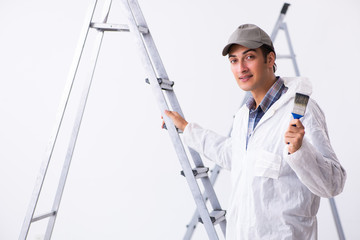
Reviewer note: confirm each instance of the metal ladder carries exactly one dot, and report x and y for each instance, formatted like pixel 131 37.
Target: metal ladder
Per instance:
pixel 161 86
pixel 280 25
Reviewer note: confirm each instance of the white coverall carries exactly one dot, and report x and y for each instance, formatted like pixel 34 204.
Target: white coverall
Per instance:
pixel 274 195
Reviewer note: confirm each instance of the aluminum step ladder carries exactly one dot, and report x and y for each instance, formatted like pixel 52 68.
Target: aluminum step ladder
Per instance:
pixel 161 87
pixel 280 25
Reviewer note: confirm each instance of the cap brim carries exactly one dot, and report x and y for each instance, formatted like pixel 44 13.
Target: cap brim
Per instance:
pixel 248 44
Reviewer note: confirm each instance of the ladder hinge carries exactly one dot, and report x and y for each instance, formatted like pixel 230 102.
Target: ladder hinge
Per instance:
pixel 165 84
pixel 216 216
pixel 143 30
pixel 198 172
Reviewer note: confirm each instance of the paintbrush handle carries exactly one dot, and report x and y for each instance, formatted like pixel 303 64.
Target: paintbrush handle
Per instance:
pixel 294 125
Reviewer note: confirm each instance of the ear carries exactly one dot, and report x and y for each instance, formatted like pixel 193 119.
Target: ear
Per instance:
pixel 271 59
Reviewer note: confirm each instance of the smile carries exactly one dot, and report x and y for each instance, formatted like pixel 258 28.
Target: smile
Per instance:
pixel 245 78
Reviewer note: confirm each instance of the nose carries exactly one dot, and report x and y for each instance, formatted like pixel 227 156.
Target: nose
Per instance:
pixel 242 67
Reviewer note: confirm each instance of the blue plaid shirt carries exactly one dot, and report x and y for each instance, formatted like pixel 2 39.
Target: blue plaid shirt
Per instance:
pixel 273 94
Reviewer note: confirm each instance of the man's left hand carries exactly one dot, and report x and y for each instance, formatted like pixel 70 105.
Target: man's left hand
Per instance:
pixel 294 135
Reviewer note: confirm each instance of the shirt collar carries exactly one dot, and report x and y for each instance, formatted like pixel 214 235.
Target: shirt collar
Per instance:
pixel 268 98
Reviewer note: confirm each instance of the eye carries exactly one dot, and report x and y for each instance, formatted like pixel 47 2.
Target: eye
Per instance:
pixel 233 61
pixel 249 57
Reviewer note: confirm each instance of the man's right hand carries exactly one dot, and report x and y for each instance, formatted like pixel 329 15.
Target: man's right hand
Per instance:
pixel 177 119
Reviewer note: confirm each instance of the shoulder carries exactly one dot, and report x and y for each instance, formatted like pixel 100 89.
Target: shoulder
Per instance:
pixel 314 108
pixel 314 115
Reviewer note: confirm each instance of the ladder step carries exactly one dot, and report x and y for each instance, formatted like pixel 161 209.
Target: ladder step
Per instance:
pixel 216 216
pixel 285 56
pixel 110 27
pixel 50 214
pixel 198 172
pixel 165 84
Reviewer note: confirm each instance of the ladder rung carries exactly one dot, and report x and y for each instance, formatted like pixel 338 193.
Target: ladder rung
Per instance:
pixel 110 27
pixel 198 172
pixel 116 27
pixel 284 56
pixel 50 214
pixel 216 216
pixel 165 84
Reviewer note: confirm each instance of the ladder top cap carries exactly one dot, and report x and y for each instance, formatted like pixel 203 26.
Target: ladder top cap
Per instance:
pixel 285 8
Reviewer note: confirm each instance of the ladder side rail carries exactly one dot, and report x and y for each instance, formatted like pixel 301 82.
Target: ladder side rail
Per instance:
pixel 277 27
pixel 76 126
pixel 210 194
pixel 134 28
pixel 194 220
pixel 292 53
pixel 208 187
pixel 209 190
pixel 59 118
pixel 154 55
pixel 214 174
pixel 160 70
pixel 279 21
pixel 148 41
pixel 335 213
pixel 161 73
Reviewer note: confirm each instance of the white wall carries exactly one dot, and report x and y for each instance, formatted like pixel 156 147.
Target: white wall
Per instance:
pixel 124 181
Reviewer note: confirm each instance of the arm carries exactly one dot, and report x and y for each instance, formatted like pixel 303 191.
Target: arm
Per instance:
pixel 311 155
pixel 210 144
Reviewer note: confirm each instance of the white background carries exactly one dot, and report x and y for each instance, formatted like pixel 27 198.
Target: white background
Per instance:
pixel 124 181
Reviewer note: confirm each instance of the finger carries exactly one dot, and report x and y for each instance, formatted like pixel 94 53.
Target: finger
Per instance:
pixel 292 129
pixel 296 123
pixel 163 125
pixel 167 112
pixel 291 132
pixel 289 140
pixel 170 114
pixel 295 130
pixel 299 124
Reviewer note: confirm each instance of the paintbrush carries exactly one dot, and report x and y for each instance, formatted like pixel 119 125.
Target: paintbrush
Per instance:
pixel 300 104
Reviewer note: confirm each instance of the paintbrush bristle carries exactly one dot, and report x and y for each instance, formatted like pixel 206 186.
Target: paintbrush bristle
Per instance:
pixel 300 104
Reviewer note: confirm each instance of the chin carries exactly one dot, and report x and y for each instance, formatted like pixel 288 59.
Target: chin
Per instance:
pixel 244 87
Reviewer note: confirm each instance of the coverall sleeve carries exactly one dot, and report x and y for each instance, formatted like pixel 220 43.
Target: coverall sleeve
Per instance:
pixel 213 146
pixel 315 163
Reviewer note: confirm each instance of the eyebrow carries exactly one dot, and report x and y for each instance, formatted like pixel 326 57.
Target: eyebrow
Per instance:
pixel 245 52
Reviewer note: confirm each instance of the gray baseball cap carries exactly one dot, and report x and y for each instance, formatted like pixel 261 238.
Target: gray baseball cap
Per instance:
pixel 250 36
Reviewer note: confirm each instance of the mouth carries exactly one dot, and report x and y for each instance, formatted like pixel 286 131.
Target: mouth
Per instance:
pixel 245 78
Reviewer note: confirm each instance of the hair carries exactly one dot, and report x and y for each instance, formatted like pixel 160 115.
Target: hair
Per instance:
pixel 266 49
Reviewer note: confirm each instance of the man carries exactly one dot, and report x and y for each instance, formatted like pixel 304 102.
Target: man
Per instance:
pixel 278 171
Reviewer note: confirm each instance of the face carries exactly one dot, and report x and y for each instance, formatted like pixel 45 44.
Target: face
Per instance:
pixel 250 70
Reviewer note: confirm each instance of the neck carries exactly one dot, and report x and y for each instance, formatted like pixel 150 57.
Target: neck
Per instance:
pixel 260 93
